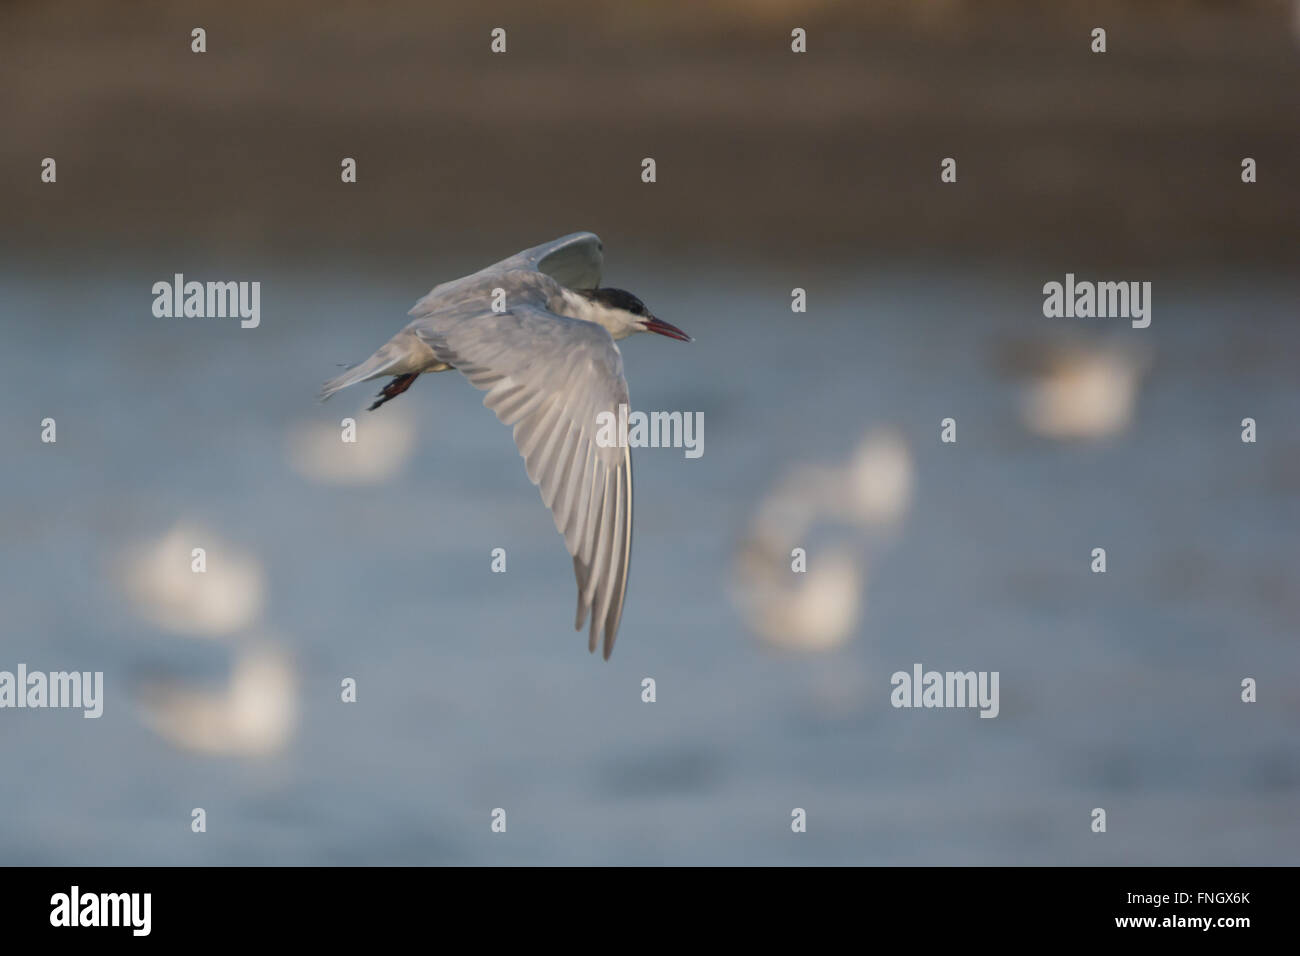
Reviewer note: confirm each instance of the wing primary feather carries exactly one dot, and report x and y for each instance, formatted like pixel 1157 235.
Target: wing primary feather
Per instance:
pixel 581 482
pixel 548 465
pixel 580 572
pixel 566 480
pixel 593 511
pixel 611 575
pixel 530 431
pixel 605 557
pixel 600 541
pixel 624 564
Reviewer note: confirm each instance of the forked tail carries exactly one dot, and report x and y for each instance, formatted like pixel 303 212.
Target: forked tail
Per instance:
pixel 374 367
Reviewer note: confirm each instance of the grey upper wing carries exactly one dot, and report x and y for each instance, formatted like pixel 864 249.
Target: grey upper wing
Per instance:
pixel 575 260
pixel 550 377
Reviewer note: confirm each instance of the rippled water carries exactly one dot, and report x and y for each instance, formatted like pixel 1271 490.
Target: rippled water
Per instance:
pixel 1118 691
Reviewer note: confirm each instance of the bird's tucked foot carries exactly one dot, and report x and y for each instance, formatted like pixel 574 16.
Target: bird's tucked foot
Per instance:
pixel 394 388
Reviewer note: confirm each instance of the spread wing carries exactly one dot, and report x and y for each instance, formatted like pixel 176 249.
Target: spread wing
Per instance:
pixel 550 376
pixel 575 260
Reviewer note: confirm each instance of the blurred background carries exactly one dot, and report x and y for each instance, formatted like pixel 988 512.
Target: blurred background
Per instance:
pixel 775 171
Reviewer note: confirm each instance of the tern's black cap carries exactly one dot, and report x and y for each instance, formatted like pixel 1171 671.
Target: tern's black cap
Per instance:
pixel 619 299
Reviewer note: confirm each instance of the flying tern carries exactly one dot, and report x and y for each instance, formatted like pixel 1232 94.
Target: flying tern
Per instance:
pixel 536 332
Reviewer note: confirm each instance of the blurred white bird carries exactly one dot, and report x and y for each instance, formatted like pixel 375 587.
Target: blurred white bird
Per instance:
pixel 872 491
pixel 1075 390
pixel 813 610
pixel 255 714
pixel 536 332
pixel 817 609
pixel 318 452
pixel 159 579
pixel 879 478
